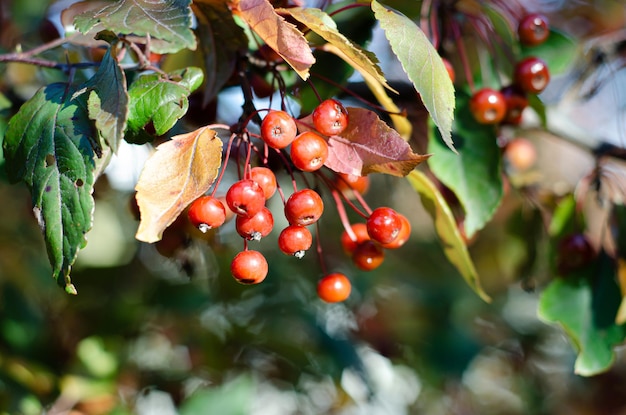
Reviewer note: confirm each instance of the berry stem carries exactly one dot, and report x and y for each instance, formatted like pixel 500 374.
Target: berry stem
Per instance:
pixel 319 249
pixel 348 7
pixel 343 215
pixel 224 164
pixel 456 31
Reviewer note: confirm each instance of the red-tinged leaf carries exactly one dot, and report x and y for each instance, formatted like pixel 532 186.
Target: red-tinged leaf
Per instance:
pixel 369 145
pixel 279 34
pixel 180 171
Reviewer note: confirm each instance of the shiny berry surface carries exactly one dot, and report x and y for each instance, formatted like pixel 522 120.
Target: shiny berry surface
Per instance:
pixel 309 151
pixel 304 207
pixel 206 213
pixel 295 240
pixel 330 117
pixel 403 236
pixel 245 198
pixel 532 75
pixel 360 231
pixel 255 227
pixel 516 102
pixel 334 288
pixel 249 267
pixel 278 129
pixel 368 255
pixel 383 225
pixel 533 29
pixel 266 179
pixel 487 106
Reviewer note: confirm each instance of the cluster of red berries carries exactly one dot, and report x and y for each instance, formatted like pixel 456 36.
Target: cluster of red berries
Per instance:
pixel 246 199
pixel 530 76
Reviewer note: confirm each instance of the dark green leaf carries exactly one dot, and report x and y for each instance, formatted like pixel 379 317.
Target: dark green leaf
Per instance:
pixel 474 174
pixel 216 23
pixel 559 52
pixel 167 22
pixel 49 145
pixel 160 101
pixel 423 66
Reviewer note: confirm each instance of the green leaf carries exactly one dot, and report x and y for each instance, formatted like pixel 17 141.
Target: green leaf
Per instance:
pixel 585 306
pixel 445 224
pixel 423 66
pixel 160 101
pixel 559 52
pixel 49 146
pixel 474 174
pixel 216 23
pixel 108 100
pixel 233 398
pixel 168 22
pixel 537 105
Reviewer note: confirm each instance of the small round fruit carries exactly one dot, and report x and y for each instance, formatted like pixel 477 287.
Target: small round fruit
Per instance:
pixel 533 29
pixel 309 151
pixel 532 75
pixel 278 129
pixel 349 183
pixel 384 225
pixel 206 213
pixel 245 198
pixel 330 117
pixel 488 106
pixel 516 103
pixel 266 179
pixel 449 69
pixel 304 207
pixel 249 267
pixel 255 227
pixel 520 154
pixel 368 255
pixel 403 236
pixel 295 240
pixel 334 288
pixel 360 231
pixel 574 252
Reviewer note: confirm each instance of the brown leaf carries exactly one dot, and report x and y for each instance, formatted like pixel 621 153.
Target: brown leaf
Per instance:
pixel 279 34
pixel 180 171
pixel 369 145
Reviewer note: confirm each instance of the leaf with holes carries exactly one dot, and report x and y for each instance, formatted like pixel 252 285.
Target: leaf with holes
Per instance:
pixel 49 146
pixel 180 171
pixel 279 34
pixel 423 65
pixel 160 102
pixel 167 22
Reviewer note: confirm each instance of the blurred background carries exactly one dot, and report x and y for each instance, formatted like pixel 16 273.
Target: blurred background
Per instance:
pixel 164 329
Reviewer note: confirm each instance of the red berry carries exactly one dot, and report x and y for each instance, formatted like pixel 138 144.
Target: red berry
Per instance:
pixel 255 227
pixel 383 225
pixel 309 151
pixel 574 252
pixel 516 103
pixel 449 69
pixel 334 288
pixel 206 213
pixel 360 230
pixel 266 179
pixel 278 129
pixel 532 75
pixel 330 117
pixel 304 207
pixel 520 153
pixel 295 240
pixel 245 198
pixel 368 255
pixel 488 106
pixel 403 236
pixel 533 29
pixel 249 267
pixel 348 183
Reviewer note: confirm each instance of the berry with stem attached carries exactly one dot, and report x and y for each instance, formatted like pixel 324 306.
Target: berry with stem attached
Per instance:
pixel 516 102
pixel 295 240
pixel 334 288
pixel 368 255
pixel 403 236
pixel 255 227
pixel 384 225
pixel 309 151
pixel 330 117
pixel 487 106
pixel 531 75
pixel 266 179
pixel 206 213
pixel 348 244
pixel 533 29
pixel 304 207
pixel 278 129
pixel 245 198
pixel 249 267
pixel 348 183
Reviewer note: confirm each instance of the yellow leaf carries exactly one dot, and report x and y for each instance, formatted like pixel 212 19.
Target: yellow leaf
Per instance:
pixel 279 34
pixel 621 278
pixel 180 171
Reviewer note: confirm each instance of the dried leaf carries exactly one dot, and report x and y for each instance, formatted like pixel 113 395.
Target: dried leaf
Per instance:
pixel 279 34
pixel 180 171
pixel 369 145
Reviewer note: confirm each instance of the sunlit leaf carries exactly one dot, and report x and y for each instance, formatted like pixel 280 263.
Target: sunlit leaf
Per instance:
pixel 168 22
pixel 445 224
pixel 180 171
pixel 49 146
pixel 474 173
pixel 423 66
pixel 216 23
pixel 279 34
